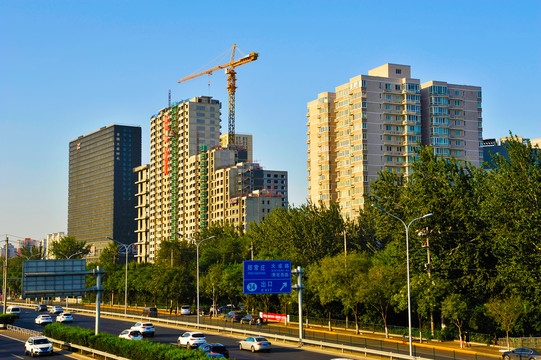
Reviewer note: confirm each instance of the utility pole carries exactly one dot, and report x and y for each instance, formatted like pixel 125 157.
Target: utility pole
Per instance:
pixel 5 284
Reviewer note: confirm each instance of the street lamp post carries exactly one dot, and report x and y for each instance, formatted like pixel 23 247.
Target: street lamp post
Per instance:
pixel 407 264
pixel 197 256
pixel 126 247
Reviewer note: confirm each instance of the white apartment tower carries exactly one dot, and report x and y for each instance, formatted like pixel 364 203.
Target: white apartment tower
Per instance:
pixel 375 121
pixel 195 179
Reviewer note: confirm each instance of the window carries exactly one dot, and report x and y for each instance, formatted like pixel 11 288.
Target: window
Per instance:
pixel 399 71
pixel 387 86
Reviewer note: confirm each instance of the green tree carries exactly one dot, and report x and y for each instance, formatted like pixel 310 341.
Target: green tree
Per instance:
pixel 456 308
pixel 69 248
pixel 506 311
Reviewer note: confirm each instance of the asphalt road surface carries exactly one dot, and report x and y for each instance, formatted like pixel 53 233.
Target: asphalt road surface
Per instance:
pixel 170 335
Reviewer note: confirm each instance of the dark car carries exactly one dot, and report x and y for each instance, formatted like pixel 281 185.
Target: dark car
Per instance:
pixel 215 349
pixel 521 353
pixel 234 316
pixel 251 319
pixel 41 307
pixel 150 312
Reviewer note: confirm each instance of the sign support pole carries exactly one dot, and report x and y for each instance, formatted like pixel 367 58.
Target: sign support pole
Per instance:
pixel 299 271
pixel 5 279
pixel 99 274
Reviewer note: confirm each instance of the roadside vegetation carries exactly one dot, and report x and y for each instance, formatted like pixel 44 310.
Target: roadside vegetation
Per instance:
pixel 484 239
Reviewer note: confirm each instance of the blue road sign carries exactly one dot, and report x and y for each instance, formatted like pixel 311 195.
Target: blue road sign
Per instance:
pixel 267 277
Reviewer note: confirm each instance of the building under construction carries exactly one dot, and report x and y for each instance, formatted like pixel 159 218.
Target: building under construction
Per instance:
pixel 195 179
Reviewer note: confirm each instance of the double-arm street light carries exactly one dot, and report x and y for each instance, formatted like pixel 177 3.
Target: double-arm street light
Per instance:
pixel 66 256
pixel 197 255
pixel 126 248
pixel 407 264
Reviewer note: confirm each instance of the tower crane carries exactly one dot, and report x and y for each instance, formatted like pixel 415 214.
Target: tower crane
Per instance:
pixel 231 84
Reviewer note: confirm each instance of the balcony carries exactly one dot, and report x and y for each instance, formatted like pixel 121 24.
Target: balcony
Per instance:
pixel 392 132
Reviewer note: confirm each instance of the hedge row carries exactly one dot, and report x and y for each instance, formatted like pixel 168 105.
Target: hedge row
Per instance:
pixel 7 318
pixel 135 350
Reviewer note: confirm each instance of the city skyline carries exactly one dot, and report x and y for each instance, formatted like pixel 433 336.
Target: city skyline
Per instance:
pixel 73 68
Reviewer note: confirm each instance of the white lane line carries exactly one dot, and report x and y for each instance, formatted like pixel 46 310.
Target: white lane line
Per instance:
pixel 17 356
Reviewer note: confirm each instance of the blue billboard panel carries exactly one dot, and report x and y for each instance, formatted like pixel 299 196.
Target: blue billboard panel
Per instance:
pixel 267 277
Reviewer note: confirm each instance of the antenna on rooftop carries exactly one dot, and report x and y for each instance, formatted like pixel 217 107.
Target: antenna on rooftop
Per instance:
pixel 169 98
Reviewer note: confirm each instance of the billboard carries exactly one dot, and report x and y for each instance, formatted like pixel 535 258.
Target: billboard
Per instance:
pixel 47 278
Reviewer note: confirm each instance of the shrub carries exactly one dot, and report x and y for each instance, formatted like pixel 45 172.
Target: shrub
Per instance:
pixel 136 350
pixel 7 318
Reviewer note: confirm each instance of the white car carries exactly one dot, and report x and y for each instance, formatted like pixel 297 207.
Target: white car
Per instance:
pixel 131 335
pixel 191 339
pixel 15 310
pixel 185 310
pixel 255 343
pixel 145 328
pixel 38 345
pixel 43 319
pixel 56 310
pixel 64 317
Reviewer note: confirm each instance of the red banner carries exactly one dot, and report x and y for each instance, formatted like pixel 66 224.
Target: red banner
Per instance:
pixel 273 317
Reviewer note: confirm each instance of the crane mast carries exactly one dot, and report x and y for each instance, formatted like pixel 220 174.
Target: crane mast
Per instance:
pixel 231 84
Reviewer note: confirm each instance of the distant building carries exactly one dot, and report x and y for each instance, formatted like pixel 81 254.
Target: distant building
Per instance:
pixel 241 140
pixel 196 178
pixel 375 122
pixel 47 243
pixel 102 186
pixel 491 147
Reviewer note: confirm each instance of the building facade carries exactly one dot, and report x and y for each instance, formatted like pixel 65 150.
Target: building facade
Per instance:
pixel 375 122
pixel 102 186
pixel 195 176
pixel 46 244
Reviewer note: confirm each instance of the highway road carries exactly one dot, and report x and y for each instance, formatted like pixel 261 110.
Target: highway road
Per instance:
pixel 169 335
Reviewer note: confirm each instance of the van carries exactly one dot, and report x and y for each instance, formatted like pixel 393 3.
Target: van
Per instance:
pixel 150 312
pixel 14 310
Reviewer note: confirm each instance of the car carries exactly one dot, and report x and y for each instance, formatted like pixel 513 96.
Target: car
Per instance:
pixel 225 309
pixel 43 319
pixel 56 310
pixel 251 319
pixel 521 353
pixel 234 316
pixel 150 312
pixel 145 328
pixel 212 349
pixel 255 343
pixel 64 317
pixel 216 356
pixel 130 334
pixel 191 339
pixel 38 345
pixel 15 310
pixel 185 310
pixel 41 307
pixel 201 311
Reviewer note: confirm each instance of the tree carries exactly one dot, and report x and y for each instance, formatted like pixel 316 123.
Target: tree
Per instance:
pixel 506 311
pixel 455 307
pixel 69 248
pixel 340 278
pixel 385 277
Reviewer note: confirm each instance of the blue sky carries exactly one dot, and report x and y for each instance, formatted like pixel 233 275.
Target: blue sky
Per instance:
pixel 71 67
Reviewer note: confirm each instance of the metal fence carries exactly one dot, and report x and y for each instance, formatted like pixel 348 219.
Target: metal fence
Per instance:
pixel 529 342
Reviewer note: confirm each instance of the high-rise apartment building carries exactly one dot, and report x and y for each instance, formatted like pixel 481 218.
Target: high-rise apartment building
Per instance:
pixel 102 186
pixel 196 178
pixel 375 121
